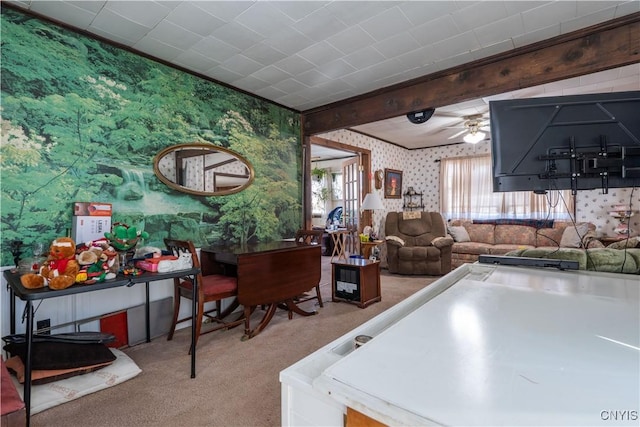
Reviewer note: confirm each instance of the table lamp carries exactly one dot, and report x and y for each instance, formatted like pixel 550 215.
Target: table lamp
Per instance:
pixel 371 202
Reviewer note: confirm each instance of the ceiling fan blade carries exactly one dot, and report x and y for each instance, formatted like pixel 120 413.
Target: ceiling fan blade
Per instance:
pixel 485 128
pixel 457 134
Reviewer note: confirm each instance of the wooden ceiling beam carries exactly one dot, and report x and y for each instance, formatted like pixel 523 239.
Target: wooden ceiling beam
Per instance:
pixel 601 47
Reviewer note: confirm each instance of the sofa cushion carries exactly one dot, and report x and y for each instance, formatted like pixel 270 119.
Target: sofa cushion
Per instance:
pixel 418 253
pixel 549 236
pixel 459 233
pixel 471 248
pixel 611 260
pixel 481 233
pixel 515 235
pixel 572 235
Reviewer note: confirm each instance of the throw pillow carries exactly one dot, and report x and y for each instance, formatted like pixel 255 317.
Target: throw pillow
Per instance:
pixel 45 376
pixel 57 355
pixel 573 234
pixel 459 233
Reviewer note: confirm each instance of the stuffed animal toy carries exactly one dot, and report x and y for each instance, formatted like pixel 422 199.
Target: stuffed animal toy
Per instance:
pixel 59 270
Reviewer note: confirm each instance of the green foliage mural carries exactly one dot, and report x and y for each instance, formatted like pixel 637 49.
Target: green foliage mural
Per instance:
pixel 82 120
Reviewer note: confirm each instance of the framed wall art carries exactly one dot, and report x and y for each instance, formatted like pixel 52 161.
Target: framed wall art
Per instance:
pixel 392 184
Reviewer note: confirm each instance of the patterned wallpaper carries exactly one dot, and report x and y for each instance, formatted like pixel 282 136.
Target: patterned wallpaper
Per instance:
pixel 421 170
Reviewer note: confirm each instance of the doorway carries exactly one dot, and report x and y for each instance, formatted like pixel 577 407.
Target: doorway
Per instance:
pixel 347 171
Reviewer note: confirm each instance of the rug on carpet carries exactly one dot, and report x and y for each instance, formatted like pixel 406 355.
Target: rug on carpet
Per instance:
pixel 46 396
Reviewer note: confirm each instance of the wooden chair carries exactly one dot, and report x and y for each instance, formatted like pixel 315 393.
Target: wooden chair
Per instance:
pixel 214 287
pixel 309 237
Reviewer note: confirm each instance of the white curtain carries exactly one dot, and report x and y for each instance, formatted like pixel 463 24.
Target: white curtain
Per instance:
pixel 466 191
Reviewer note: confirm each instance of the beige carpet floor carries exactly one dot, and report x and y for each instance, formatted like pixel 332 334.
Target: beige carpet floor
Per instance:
pixel 237 383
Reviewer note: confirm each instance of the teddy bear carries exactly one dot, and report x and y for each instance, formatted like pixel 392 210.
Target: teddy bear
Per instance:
pixel 59 270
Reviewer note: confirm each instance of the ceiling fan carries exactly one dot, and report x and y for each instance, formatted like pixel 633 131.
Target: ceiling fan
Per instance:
pixel 475 127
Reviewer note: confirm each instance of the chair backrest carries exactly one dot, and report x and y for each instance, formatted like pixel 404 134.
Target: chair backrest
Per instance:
pixel 418 229
pixel 177 246
pixel 309 237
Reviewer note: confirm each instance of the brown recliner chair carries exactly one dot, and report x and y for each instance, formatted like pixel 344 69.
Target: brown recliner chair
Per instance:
pixel 417 243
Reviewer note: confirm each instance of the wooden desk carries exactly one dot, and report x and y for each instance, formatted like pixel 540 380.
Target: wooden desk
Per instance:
pixel 268 274
pixel 30 295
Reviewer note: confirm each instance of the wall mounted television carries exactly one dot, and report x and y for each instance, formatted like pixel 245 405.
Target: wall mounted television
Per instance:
pixel 577 142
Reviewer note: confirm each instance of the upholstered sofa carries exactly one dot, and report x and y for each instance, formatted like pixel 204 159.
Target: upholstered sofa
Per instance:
pixel 417 243
pixel 498 237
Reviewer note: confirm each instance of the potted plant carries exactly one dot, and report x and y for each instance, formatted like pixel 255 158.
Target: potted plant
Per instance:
pixel 318 173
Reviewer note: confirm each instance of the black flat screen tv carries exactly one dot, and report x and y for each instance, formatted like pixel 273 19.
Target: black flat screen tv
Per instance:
pixel 575 142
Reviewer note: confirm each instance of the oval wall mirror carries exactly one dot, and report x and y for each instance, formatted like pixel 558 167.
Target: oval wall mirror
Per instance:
pixel 203 169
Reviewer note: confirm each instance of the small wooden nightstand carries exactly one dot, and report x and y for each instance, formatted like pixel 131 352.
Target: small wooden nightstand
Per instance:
pixel 356 281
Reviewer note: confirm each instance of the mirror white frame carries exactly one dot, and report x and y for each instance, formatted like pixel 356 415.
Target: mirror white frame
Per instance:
pixel 203 169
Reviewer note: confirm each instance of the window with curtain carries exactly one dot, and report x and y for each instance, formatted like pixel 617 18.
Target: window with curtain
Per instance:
pixel 466 192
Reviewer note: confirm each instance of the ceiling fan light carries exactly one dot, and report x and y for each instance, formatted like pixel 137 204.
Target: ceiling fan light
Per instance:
pixel 474 138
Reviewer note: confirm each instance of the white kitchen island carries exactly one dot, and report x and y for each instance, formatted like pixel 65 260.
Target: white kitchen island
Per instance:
pixel 484 345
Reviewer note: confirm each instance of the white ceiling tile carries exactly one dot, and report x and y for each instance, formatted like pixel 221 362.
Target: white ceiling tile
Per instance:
pixel 225 10
pixel 537 35
pixel 271 74
pixel 116 38
pixel 628 7
pixel 386 24
pixel 109 22
pixel 289 41
pixel 263 18
pixel 561 85
pixel 293 99
pixel 588 7
pixel 434 31
pixel 67 12
pixel 250 84
pixel 298 10
pixel 320 25
pixel 90 5
pixel 336 69
pixel 586 20
pixel 630 70
pixel 419 57
pixel 157 49
pixel 195 61
pixel 351 40
pixel 420 12
pixel 195 19
pixel 364 58
pixel 263 54
pixel 385 68
pixel 478 14
pixel 500 30
pixel 241 65
pixel 290 86
pixel 294 65
pixel 237 35
pixel 462 43
pixel 217 49
pixel 518 6
pixel 174 35
pixel 147 13
pixel 320 53
pixel 602 76
pixel 312 77
pixel 270 92
pixel 223 74
pixel 397 45
pixel 548 13
pixel 354 12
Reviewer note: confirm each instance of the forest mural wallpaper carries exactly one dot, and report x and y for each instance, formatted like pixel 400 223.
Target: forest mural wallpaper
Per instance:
pixel 82 120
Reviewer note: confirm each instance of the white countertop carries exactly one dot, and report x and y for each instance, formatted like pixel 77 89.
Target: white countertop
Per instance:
pixel 516 346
